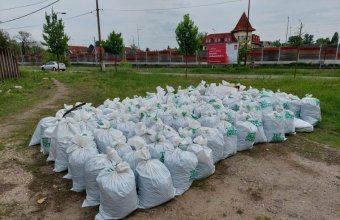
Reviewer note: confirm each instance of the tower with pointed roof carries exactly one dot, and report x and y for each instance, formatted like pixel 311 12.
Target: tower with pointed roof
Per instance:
pixel 238 34
pixel 240 30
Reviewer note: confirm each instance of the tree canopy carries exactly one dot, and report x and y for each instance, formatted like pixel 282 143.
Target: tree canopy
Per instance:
pixel 335 38
pixel 308 39
pixel 54 36
pixel 295 40
pixel 25 39
pixel 187 38
pixel 4 39
pixel 114 44
pixel 323 41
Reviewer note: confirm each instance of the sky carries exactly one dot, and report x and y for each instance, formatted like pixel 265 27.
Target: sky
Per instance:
pixel 157 27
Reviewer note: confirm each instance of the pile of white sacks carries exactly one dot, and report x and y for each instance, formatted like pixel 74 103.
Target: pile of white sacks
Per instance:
pixel 142 152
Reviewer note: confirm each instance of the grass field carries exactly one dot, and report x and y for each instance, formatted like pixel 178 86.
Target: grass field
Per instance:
pixel 90 85
pixel 34 88
pixel 284 70
pixel 249 71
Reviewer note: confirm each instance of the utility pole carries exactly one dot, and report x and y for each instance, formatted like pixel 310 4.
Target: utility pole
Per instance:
pixel 299 45
pixel 138 29
pixel 102 66
pixel 95 50
pixel 245 56
pixel 287 30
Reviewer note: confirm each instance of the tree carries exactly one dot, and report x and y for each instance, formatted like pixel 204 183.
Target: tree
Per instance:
pixel 54 36
pixel 323 41
pixel 114 44
pixel 276 43
pixel 25 39
pixel 308 39
pixel 187 39
pixel 4 39
pixel 335 38
pixel 134 48
pixel 295 40
pixel 37 49
pixel 201 37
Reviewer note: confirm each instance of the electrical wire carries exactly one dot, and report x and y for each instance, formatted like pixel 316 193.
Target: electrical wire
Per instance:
pixel 175 8
pixel 33 12
pixel 22 6
pixel 38 25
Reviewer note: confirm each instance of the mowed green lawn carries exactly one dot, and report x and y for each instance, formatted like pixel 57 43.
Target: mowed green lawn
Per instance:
pixel 90 85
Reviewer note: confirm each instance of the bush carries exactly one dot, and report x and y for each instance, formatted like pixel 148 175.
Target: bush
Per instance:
pixel 53 57
pixel 125 65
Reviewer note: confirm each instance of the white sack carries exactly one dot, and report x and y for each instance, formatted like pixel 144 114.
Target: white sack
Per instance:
pixel 274 127
pixel 310 110
pixel 66 129
pixel 92 168
pixel 118 195
pixel 154 183
pixel 43 124
pixel 205 166
pixel 230 138
pixel 83 148
pixel 182 166
pixel 302 126
pixel 215 142
pixel 246 134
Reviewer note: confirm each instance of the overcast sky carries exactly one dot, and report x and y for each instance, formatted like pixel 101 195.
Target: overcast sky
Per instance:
pixel 268 17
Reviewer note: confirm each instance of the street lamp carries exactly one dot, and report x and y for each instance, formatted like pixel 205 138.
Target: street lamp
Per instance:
pixel 60 13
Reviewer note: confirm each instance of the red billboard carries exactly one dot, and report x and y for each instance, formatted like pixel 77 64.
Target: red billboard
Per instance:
pixel 218 54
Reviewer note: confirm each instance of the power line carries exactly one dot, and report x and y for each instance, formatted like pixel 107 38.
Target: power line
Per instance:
pixel 37 25
pixel 22 6
pixel 175 8
pixel 33 12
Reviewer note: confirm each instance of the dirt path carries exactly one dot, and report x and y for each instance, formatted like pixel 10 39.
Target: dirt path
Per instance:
pixel 16 166
pixel 7 127
pixel 297 179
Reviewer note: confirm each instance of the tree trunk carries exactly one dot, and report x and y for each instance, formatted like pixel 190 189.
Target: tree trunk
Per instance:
pixel 186 65
pixel 58 61
pixel 116 62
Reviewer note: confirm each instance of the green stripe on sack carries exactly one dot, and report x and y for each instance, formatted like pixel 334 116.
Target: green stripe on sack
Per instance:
pixel 231 131
pixel 277 137
pixel 288 115
pixel 46 142
pixel 193 175
pixel 251 136
pixel 162 156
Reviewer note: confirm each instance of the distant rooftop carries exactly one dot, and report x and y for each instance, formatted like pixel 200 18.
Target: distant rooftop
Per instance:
pixel 243 24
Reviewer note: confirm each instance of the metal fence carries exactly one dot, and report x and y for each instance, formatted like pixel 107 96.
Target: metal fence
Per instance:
pixel 8 64
pixel 329 54
pixel 304 54
pixel 151 57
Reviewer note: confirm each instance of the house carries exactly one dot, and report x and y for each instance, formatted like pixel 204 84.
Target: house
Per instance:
pixel 238 34
pixel 77 50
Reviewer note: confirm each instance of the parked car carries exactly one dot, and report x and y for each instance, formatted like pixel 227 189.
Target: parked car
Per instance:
pixel 53 65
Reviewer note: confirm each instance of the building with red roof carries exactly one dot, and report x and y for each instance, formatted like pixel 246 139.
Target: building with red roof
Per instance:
pixel 238 34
